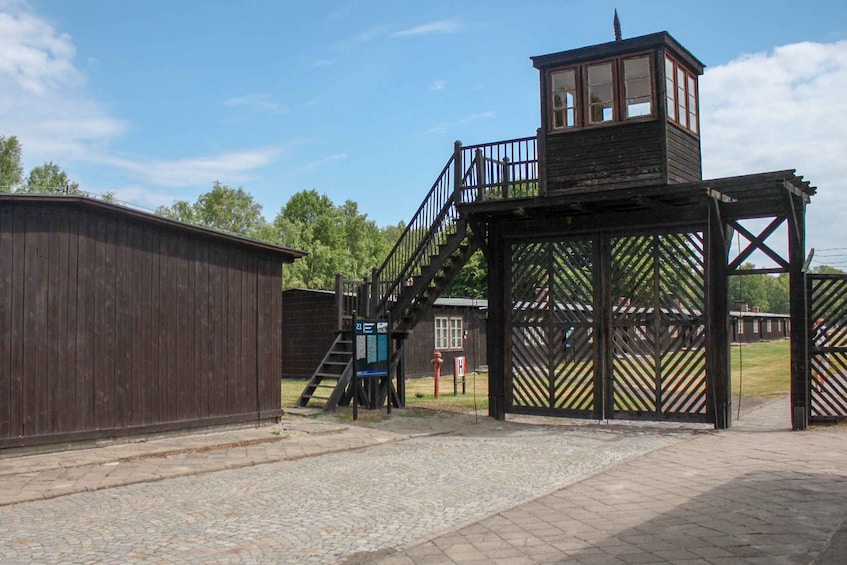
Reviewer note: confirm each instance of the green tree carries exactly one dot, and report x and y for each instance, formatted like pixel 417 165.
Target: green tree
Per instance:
pixel 779 301
pixel 390 234
pixel 49 178
pixel 11 170
pixel 363 240
pixel 767 292
pixel 827 270
pixel 222 208
pixel 471 281
pixel 339 239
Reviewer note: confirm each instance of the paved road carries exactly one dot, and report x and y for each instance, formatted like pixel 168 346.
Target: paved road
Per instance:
pixel 438 490
pixel 318 509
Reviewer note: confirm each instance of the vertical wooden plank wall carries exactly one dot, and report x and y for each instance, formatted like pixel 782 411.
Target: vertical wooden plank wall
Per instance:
pixel 112 325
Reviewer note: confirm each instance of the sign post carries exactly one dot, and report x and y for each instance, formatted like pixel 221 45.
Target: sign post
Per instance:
pixel 459 375
pixel 370 358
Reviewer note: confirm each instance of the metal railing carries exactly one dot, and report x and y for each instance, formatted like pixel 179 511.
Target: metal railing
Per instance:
pixel 501 170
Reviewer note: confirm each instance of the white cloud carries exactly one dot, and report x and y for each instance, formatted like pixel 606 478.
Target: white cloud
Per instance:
pixel 438 27
pixel 320 162
pixel 42 93
pixel 438 85
pixel 322 63
pixel 784 109
pixel 226 167
pixel 44 102
pixel 33 55
pixel 445 126
pixel 372 33
pixel 257 103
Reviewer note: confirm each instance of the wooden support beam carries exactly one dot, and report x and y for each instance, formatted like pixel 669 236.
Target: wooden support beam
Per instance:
pixel 757 243
pixel 798 296
pixel 499 345
pixel 794 190
pixel 719 381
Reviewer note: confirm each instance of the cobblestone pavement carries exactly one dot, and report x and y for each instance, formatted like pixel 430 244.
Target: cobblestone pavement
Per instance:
pixel 758 493
pixel 441 489
pixel 319 509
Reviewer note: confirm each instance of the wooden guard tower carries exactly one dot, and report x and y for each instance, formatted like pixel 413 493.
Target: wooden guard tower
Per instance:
pixel 608 261
pixel 608 254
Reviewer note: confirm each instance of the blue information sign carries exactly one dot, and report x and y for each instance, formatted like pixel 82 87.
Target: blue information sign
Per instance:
pixel 371 348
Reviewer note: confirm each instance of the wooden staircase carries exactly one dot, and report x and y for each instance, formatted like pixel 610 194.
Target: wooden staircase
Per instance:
pixel 330 379
pixel 432 250
pixel 419 296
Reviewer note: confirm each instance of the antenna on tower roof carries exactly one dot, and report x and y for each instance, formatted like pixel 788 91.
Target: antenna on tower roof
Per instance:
pixel 617 24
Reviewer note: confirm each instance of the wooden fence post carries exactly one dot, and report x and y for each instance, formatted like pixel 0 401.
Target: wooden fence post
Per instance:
pixel 506 176
pixel 375 294
pixel 479 158
pixel 339 301
pixel 457 172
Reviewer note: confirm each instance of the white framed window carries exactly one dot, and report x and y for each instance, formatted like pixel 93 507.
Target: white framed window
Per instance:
pixel 755 326
pixel 768 325
pixel 564 98
pixel 681 94
pixel 739 326
pixel 604 92
pixel 449 333
pixel 637 90
pixel 601 99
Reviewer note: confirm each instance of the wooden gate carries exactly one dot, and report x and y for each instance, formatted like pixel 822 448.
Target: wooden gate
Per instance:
pixel 827 303
pixel 658 331
pixel 636 349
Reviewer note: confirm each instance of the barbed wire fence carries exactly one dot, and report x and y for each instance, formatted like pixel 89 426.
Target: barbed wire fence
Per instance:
pixel 830 257
pixel 107 196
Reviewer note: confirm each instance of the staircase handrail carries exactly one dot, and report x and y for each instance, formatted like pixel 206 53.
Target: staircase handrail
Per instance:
pixel 482 167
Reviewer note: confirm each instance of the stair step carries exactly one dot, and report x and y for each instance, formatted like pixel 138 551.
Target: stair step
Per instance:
pixel 335 376
pixel 313 396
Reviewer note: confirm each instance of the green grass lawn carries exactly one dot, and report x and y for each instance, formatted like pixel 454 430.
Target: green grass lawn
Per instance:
pixel 420 393
pixel 761 369
pixel 758 369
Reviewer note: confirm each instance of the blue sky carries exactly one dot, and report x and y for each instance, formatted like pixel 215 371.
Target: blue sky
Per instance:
pixel 362 100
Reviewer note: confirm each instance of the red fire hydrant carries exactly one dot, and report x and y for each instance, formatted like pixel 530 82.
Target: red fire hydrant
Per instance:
pixel 436 364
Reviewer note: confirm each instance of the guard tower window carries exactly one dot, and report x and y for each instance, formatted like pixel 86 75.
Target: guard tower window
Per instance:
pixel 639 96
pixel 601 93
pixel 564 98
pixel 601 99
pixel 681 93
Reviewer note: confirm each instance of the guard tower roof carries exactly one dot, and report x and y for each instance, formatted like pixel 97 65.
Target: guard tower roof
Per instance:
pixel 615 48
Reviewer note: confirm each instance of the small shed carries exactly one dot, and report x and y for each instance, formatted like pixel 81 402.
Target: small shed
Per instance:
pixel 454 326
pixel 117 322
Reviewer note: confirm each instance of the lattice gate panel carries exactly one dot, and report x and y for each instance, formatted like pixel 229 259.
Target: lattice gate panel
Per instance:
pixel 682 277
pixel 552 357
pixel 530 342
pixel 658 328
pixel 828 348
pixel 573 323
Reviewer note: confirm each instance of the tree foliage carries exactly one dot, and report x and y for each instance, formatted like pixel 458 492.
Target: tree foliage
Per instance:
pixel 827 270
pixel 11 170
pixel 49 178
pixel 769 293
pixel 472 280
pixel 339 239
pixel 223 208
